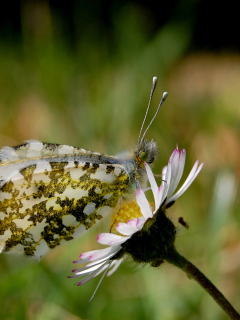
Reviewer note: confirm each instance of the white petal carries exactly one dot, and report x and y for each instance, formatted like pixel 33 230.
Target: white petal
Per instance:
pixel 111 239
pixel 191 177
pixel 137 223
pixel 93 255
pixel 93 274
pixel 152 182
pixel 140 222
pixel 115 264
pixel 116 249
pixel 177 171
pixel 143 204
pixel 181 165
pixel 87 269
pixel 97 254
pixel 126 228
pixel 159 198
pixel 174 158
pixel 167 181
pixel 133 223
pixel 164 172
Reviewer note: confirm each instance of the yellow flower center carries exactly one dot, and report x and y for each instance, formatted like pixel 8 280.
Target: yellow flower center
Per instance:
pixel 129 210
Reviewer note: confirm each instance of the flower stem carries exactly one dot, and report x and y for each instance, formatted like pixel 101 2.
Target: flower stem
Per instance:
pixel 193 272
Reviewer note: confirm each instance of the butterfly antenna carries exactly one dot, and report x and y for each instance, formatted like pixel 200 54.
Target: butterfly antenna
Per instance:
pixel 164 96
pixel 149 103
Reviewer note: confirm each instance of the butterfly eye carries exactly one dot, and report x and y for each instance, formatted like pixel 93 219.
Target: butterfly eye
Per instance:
pixel 143 155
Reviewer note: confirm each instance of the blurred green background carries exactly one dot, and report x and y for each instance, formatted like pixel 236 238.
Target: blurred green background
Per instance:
pixel 80 73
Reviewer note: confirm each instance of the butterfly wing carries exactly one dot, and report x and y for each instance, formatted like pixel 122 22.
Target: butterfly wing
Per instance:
pixel 46 199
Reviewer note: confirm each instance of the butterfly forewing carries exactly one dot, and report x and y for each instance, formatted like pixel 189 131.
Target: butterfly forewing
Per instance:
pixel 48 196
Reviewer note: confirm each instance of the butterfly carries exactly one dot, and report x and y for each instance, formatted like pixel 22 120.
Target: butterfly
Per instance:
pixel 52 193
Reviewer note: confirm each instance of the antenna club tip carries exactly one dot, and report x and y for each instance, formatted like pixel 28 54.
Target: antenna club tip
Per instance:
pixel 155 79
pixel 165 94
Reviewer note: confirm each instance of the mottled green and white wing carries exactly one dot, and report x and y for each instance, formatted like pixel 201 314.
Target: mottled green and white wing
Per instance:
pixel 53 193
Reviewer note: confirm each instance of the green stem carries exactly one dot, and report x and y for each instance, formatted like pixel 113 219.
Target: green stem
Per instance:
pixel 193 272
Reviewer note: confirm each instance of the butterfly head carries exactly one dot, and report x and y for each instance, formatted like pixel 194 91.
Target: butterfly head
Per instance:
pixel 147 152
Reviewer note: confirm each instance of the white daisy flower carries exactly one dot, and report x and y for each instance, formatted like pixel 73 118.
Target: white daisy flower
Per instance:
pixel 109 259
